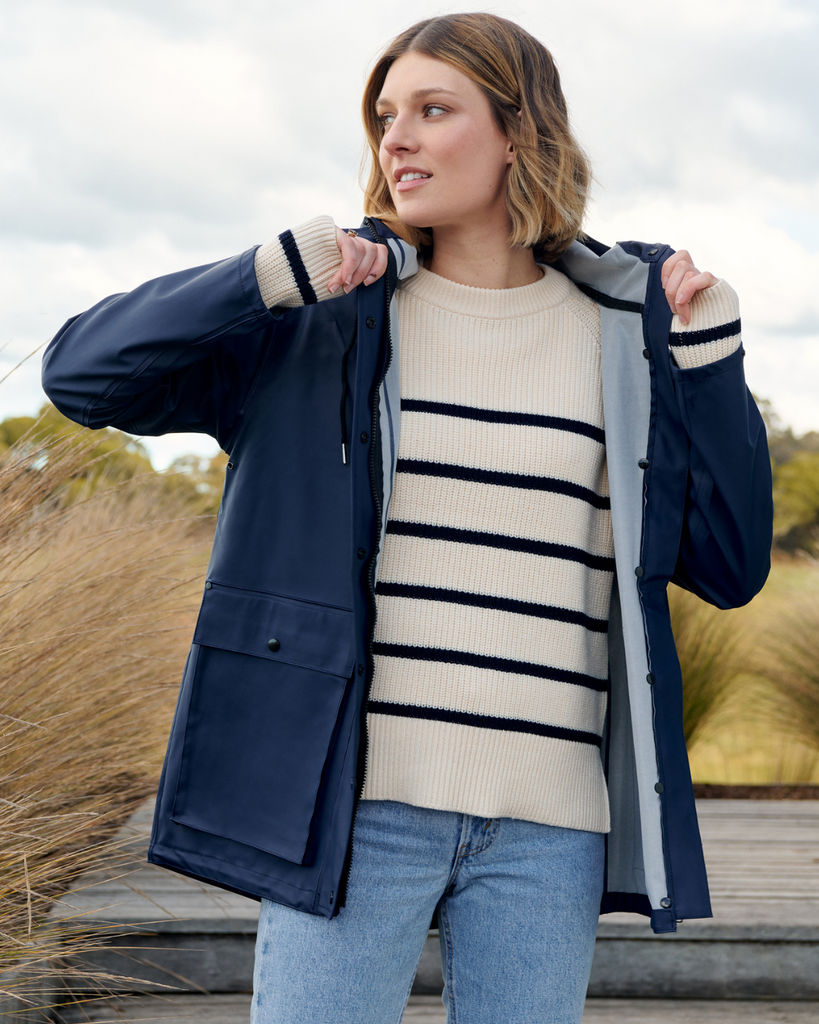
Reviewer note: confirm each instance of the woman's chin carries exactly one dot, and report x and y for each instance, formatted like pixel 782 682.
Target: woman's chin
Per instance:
pixel 412 220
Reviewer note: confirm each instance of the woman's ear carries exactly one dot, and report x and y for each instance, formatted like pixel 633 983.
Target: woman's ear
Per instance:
pixel 510 149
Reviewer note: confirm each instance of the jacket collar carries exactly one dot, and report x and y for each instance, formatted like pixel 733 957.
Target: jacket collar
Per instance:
pixel 405 256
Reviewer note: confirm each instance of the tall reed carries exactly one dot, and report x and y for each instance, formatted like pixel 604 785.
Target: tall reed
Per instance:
pixel 712 658
pixel 97 599
pixel 789 660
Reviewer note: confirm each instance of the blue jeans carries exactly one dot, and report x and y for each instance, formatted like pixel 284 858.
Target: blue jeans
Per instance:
pixel 518 917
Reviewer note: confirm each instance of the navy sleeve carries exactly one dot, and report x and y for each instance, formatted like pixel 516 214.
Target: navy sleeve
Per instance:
pixel 724 554
pixel 178 353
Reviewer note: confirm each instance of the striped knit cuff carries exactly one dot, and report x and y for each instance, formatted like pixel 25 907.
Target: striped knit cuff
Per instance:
pixel 294 269
pixel 713 331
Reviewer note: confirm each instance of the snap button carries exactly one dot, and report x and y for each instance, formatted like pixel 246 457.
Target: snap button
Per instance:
pixel 646 354
pixel 365 437
pixel 230 465
pixel 208 585
pixel 371 321
pixel 653 252
pixel 639 571
pixel 658 788
pixel 643 463
pixel 650 678
pixel 361 553
pixel 665 902
pixel 274 645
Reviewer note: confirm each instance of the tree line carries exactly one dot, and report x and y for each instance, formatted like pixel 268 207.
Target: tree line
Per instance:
pixel 116 457
pixel 113 458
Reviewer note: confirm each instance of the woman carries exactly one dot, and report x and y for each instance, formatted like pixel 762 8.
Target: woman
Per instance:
pixel 433 668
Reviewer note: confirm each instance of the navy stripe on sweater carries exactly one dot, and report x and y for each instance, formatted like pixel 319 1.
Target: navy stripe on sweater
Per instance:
pixel 545 549
pixel 501 604
pixel 297 268
pixel 680 338
pixel 499 479
pixel 521 419
pixel 520 668
pixel 381 707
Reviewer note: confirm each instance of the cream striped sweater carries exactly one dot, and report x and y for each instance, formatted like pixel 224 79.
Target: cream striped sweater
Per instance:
pixel 489 694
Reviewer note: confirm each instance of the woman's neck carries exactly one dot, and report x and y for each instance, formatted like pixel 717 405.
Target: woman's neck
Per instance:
pixel 481 261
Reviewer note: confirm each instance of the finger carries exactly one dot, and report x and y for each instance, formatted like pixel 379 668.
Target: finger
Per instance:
pixel 672 261
pixel 349 263
pixel 683 294
pixel 693 283
pixel 675 280
pixel 365 265
pixel 343 242
pixel 351 253
pixel 362 262
pixel 379 266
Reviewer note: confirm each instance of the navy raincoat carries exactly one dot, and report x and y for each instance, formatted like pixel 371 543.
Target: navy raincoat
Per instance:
pixel 267 751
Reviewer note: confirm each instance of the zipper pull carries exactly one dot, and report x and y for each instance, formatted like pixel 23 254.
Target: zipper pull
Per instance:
pixel 344 453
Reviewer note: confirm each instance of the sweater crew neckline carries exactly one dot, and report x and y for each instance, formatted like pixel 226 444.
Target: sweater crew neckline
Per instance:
pixel 489 303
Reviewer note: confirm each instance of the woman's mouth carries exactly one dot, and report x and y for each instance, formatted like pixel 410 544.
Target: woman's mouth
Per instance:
pixel 411 180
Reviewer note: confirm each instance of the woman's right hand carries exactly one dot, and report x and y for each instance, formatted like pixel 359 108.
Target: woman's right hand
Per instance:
pixel 362 261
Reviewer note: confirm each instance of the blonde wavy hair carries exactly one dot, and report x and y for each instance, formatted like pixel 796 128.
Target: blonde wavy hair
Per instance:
pixel 549 180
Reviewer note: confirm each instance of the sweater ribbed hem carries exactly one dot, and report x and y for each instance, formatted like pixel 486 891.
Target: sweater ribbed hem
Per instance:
pixel 713 331
pixel 491 774
pixel 313 248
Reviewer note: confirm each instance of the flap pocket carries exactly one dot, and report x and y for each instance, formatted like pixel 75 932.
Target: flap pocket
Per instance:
pixel 260 723
pixel 313 636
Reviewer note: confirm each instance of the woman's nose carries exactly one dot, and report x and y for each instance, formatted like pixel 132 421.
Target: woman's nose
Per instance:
pixel 400 137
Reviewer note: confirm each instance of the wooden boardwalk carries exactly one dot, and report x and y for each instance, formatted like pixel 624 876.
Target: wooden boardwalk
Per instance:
pixel 763 859
pixel 763 940
pixel 763 867
pixel 762 943
pixel 428 1009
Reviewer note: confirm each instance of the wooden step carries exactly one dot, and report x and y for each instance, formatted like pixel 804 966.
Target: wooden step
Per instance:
pixel 170 933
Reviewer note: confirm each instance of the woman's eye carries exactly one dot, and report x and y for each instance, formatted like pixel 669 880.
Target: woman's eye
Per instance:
pixel 432 109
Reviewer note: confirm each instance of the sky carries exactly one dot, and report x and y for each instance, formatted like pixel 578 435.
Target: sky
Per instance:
pixel 139 137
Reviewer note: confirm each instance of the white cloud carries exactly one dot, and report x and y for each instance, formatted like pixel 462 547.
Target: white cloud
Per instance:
pixel 140 136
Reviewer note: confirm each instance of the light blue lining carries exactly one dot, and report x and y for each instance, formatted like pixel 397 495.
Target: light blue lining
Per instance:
pixel 636 825
pixel 389 396
pixel 627 412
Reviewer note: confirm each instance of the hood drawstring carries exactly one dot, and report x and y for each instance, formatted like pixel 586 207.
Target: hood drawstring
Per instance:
pixel 343 409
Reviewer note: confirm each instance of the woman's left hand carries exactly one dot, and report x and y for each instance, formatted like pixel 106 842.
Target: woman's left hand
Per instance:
pixel 682 281
pixel 362 262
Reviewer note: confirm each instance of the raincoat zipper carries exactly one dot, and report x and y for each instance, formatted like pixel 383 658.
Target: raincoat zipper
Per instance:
pixel 361 769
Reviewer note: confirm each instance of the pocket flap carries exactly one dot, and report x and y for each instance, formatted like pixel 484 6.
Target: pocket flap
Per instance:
pixel 313 636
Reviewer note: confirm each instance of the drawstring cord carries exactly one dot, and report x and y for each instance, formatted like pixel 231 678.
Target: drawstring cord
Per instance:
pixel 343 409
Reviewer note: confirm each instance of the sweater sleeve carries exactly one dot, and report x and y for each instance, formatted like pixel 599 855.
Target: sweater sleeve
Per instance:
pixel 293 269
pixel 724 552
pixel 713 331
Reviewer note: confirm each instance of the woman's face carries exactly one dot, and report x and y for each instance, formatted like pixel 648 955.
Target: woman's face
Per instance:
pixel 445 159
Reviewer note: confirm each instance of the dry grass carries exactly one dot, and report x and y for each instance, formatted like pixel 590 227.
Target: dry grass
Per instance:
pixel 767 728
pixel 97 603
pixel 97 600
pixel 713 654
pixel 786 700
